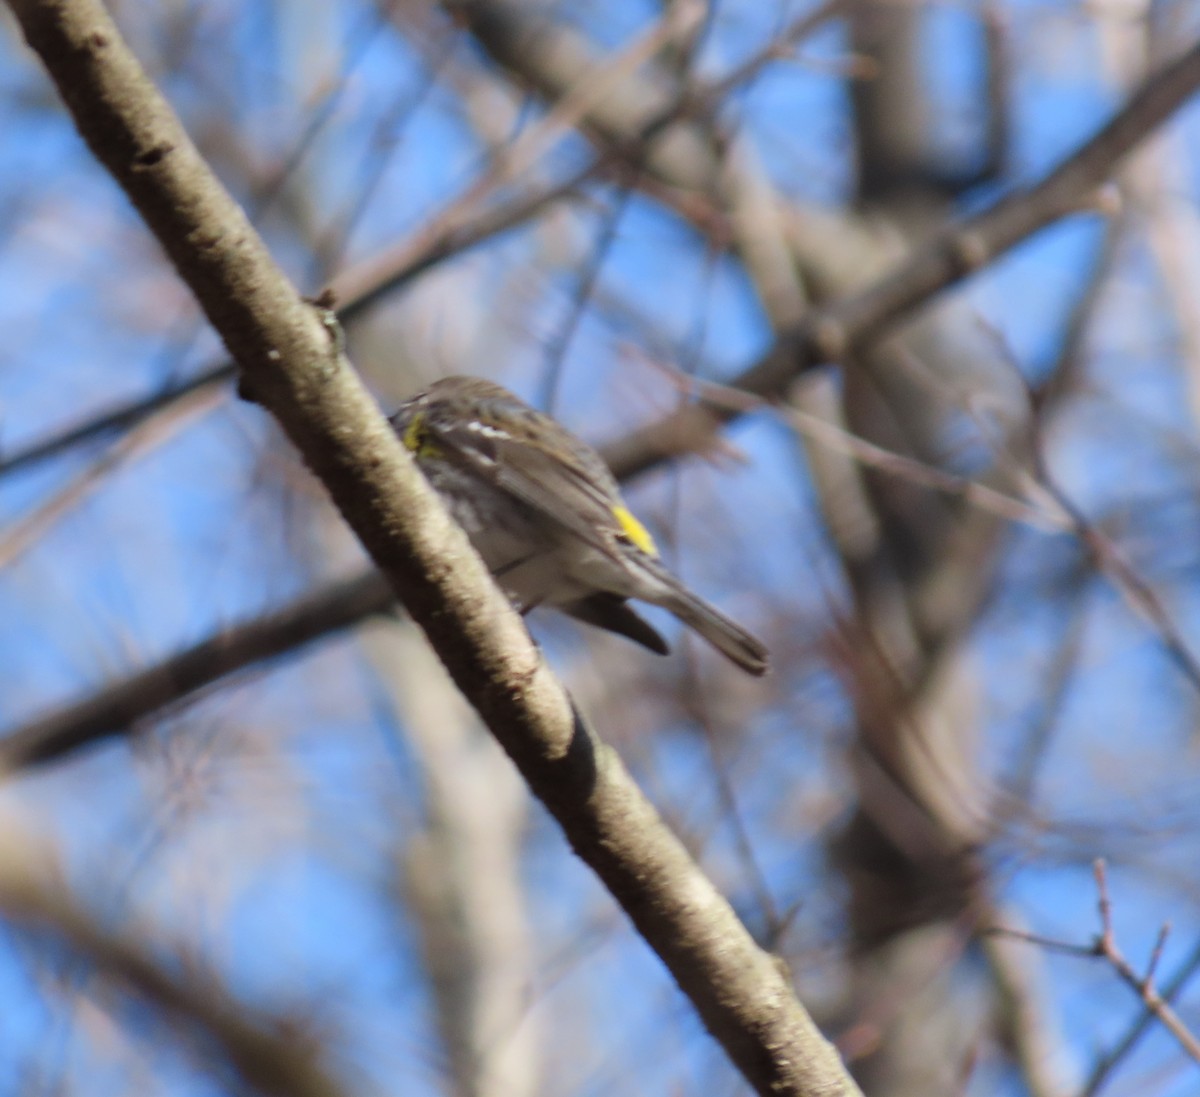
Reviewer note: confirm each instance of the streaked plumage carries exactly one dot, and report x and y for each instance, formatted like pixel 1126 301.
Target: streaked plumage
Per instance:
pixel 544 512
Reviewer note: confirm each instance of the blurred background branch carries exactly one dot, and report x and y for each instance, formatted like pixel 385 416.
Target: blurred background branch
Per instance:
pixel 964 209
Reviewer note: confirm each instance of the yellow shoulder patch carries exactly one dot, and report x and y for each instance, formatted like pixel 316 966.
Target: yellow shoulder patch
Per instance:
pixel 635 531
pixel 416 438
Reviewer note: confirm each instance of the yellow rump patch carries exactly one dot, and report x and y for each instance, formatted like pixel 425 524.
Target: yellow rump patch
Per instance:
pixel 635 531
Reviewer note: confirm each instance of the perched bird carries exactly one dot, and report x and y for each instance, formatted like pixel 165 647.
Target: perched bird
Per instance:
pixel 542 509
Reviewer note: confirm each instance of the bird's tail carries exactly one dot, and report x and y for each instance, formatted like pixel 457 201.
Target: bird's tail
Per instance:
pixel 727 636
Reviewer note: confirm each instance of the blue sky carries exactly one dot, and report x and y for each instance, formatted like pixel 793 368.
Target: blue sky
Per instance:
pixel 264 824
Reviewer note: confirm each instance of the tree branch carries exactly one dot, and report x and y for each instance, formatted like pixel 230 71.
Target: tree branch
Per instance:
pixel 828 334
pixel 115 708
pixel 270 1062
pixel 293 364
pixel 118 707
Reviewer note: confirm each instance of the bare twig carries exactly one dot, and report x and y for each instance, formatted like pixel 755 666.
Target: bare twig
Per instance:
pixel 1105 947
pixel 270 1062
pixel 828 334
pixel 1137 592
pixel 1117 1053
pixel 150 433
pixel 292 367
pixel 462 224
pixel 1051 944
pixel 118 707
pixel 925 475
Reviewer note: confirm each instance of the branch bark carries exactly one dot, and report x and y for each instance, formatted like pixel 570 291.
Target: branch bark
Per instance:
pixel 292 363
pixel 112 711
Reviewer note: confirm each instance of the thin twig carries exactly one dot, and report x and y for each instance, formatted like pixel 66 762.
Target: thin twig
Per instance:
pixel 1137 592
pixel 829 334
pixel 265 1058
pixel 461 225
pixel 1108 1062
pixel 292 367
pixel 152 432
pixel 1106 946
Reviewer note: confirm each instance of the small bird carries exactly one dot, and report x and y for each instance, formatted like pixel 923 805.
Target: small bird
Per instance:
pixel 542 509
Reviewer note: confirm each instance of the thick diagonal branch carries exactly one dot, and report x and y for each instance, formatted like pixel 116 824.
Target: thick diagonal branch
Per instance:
pixel 293 365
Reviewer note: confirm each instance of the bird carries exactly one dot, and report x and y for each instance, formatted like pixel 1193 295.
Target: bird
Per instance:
pixel 544 512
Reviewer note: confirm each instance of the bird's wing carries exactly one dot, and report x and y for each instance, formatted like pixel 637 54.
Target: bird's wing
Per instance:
pixel 569 487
